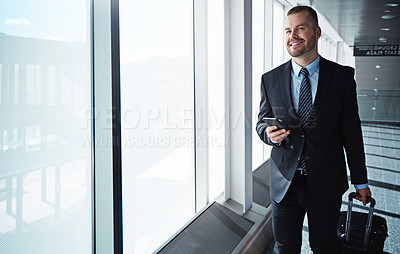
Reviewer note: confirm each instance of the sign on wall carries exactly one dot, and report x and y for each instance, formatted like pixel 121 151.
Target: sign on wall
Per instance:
pixel 376 50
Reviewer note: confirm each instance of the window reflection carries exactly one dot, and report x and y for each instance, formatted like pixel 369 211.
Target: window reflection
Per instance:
pixel 258 68
pixel 216 101
pixel 157 120
pixel 45 168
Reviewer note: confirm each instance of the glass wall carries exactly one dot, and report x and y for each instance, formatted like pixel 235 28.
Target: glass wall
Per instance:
pixel 379 105
pixel 327 47
pixel 279 48
pixel 258 63
pixel 263 58
pixel 45 117
pixel 217 114
pixel 157 107
pixel 45 131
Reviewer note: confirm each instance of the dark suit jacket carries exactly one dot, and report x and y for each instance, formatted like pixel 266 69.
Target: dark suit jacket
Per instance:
pixel 334 124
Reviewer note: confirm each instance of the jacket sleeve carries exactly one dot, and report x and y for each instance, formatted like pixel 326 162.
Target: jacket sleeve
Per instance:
pixel 265 111
pixel 352 134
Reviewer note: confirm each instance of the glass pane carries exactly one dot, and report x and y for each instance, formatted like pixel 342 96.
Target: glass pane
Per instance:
pixel 379 105
pixel 45 153
pixel 216 98
pixel 278 38
pixel 258 70
pixel 157 120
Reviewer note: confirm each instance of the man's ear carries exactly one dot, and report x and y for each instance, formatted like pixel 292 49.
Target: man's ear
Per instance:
pixel 318 32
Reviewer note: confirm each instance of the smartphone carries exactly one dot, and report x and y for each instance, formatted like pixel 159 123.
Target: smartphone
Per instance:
pixel 274 122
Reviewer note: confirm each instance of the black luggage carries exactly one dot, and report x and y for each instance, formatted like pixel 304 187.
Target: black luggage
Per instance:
pixel 367 231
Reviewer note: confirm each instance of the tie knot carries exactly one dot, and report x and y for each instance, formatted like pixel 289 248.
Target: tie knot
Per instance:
pixel 304 71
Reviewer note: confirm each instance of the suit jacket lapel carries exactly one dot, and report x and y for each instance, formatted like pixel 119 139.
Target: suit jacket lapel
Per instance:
pixel 325 72
pixel 285 79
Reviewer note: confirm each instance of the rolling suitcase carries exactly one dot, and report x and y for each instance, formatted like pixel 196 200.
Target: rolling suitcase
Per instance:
pixel 361 232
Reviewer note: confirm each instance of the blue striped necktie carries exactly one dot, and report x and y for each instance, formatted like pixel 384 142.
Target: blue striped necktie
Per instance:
pixel 305 98
pixel 305 105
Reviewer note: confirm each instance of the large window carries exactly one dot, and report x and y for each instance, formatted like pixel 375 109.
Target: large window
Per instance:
pixel 258 68
pixel 268 52
pixel 182 136
pixel 45 134
pixel 279 48
pixel 327 47
pixel 157 108
pixel 217 114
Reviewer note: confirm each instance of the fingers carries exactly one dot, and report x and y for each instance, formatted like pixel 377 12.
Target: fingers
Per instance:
pixel 277 135
pixel 364 200
pixel 359 199
pixel 364 194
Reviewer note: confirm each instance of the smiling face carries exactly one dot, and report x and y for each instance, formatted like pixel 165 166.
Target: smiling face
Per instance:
pixel 301 37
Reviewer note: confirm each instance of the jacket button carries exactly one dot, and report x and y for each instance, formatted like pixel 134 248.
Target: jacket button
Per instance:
pixel 302 135
pixel 307 157
pixel 298 158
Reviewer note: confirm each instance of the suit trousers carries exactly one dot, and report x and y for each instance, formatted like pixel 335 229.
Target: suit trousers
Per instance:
pixel 288 217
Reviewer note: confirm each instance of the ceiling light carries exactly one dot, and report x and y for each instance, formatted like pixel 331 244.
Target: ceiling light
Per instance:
pixel 376 78
pixel 388 11
pixel 387 16
pixel 391 5
pixel 382 39
pixel 378 66
pixel 385 29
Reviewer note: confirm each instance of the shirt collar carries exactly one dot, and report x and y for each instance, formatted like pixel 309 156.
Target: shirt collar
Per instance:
pixel 312 67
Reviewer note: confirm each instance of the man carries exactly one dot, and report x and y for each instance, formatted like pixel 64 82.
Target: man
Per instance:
pixel 316 100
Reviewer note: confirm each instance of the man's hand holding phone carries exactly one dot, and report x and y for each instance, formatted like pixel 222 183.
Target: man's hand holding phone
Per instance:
pixel 276 131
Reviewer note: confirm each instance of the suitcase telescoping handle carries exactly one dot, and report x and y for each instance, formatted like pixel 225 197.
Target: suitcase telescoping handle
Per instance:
pixel 369 220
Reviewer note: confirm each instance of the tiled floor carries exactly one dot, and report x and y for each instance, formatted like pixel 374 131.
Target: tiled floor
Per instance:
pixel 382 148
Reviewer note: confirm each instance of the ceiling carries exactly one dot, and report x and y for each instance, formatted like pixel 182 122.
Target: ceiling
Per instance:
pixel 359 22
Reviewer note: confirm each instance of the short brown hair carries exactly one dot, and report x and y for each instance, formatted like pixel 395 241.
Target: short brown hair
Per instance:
pixel 312 14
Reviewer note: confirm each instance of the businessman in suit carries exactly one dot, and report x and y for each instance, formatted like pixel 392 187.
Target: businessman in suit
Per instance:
pixel 316 102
